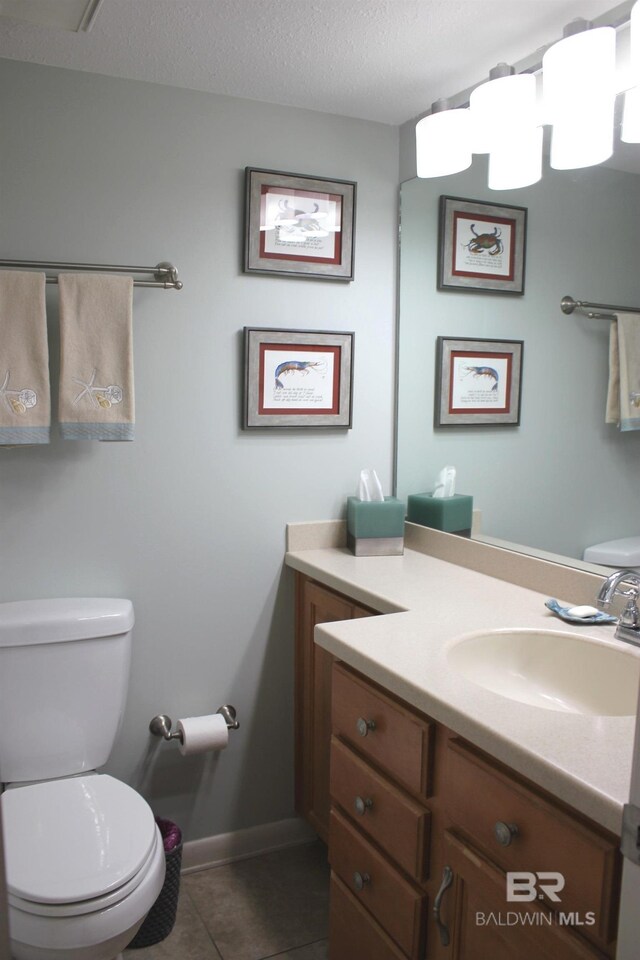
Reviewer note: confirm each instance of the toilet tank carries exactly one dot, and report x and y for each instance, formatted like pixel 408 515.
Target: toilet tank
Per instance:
pixel 64 673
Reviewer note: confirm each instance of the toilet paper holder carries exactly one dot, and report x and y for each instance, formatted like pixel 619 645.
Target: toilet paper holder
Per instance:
pixel 160 726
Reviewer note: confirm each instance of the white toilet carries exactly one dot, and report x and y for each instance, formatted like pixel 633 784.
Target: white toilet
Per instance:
pixel 621 554
pixel 84 858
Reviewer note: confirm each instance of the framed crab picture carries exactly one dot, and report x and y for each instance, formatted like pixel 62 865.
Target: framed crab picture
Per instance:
pixel 297 378
pixel 481 246
pixel 299 226
pixel 478 382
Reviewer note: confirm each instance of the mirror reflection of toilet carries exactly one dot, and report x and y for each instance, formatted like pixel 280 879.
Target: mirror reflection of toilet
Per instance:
pixel 84 858
pixel 621 554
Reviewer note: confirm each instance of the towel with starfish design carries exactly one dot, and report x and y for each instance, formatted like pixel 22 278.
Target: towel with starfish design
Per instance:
pixel 96 399
pixel 25 405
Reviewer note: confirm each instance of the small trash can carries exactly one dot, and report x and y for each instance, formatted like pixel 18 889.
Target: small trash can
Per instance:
pixel 159 922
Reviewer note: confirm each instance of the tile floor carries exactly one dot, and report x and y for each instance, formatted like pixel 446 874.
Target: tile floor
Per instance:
pixel 273 906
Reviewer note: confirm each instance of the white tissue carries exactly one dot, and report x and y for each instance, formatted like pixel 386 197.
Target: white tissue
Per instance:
pixel 201 734
pixel 445 483
pixel 369 486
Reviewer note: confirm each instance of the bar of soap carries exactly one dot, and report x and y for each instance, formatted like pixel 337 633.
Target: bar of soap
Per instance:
pixel 582 611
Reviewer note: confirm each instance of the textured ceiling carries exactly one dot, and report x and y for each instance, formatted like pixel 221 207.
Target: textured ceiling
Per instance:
pixel 384 60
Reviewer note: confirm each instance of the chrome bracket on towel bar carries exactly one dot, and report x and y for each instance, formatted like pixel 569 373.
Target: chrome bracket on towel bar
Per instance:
pixel 160 726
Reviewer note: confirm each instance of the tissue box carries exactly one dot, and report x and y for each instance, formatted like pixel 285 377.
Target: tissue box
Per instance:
pixel 451 514
pixel 375 528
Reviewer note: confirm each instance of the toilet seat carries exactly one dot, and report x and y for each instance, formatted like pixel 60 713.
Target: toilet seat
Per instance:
pixel 73 841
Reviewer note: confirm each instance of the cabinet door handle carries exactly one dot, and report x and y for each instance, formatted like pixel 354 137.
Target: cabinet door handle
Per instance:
pixel 443 930
pixel 360 880
pixel 505 832
pixel 362 805
pixel 364 726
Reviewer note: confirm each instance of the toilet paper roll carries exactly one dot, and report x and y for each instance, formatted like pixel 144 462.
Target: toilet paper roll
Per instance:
pixel 200 734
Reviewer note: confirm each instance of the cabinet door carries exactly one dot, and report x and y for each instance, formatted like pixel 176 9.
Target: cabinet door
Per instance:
pixel 483 924
pixel 315 604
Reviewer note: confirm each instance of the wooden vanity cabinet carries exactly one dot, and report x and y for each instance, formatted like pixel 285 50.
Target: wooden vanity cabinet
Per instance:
pixel 315 604
pixel 410 798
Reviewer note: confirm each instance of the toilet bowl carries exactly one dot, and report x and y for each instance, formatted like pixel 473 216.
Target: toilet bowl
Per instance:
pixel 85 863
pixel 84 858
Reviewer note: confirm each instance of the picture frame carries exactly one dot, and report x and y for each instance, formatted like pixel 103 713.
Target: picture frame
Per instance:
pixel 299 226
pixel 481 246
pixel 297 378
pixel 478 382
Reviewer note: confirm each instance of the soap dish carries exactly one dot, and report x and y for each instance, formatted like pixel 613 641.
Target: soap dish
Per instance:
pixel 563 613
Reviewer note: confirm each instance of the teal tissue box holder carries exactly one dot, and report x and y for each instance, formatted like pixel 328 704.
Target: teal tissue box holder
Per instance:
pixel 375 528
pixel 451 514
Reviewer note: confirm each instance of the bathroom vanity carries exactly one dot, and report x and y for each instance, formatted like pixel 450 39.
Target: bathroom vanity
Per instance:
pixel 460 823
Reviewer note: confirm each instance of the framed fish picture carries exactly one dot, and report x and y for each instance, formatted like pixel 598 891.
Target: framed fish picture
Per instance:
pixel 478 382
pixel 297 378
pixel 481 246
pixel 299 226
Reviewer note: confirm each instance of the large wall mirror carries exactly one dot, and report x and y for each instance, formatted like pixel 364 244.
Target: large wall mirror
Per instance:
pixel 562 479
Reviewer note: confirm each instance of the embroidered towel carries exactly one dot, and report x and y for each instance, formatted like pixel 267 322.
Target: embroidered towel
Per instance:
pixel 623 395
pixel 96 357
pixel 25 404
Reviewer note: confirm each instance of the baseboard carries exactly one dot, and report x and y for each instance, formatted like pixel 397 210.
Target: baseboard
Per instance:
pixel 240 844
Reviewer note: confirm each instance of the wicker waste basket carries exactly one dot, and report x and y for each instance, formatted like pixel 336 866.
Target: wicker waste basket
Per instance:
pixel 162 916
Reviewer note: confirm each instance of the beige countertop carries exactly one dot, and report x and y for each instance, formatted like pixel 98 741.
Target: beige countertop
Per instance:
pixel 430 602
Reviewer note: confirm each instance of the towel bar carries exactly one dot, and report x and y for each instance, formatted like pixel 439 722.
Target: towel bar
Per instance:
pixel 165 274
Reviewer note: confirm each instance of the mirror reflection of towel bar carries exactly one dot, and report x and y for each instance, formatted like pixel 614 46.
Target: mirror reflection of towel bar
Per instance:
pixel 568 305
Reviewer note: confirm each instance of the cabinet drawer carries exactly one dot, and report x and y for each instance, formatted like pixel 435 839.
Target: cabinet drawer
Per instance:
pixel 546 837
pixel 386 733
pixel 397 906
pixel 388 815
pixel 353 932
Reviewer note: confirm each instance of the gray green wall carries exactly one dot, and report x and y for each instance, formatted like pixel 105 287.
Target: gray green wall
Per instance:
pixel 189 519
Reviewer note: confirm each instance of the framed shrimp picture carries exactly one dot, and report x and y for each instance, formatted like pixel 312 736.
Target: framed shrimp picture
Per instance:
pixel 297 378
pixel 481 246
pixel 299 226
pixel 478 382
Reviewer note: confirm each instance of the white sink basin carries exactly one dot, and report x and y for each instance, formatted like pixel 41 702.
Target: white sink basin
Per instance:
pixel 553 670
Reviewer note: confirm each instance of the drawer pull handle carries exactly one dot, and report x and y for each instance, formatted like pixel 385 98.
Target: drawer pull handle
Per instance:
pixel 362 805
pixel 505 832
pixel 443 930
pixel 364 726
pixel 360 880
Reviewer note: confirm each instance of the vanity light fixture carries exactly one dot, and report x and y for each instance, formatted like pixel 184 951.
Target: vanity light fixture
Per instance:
pixel 443 141
pixel 631 113
pixel 578 85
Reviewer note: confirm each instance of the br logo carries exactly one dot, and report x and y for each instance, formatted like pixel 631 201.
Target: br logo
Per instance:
pixel 524 886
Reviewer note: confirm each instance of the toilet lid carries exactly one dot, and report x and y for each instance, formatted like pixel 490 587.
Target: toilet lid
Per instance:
pixel 74 839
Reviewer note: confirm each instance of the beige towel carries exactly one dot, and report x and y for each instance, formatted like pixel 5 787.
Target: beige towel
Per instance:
pixel 96 357
pixel 623 395
pixel 25 404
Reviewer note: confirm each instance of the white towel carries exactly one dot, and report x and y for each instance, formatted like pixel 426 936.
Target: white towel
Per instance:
pixel 623 395
pixel 25 404
pixel 96 357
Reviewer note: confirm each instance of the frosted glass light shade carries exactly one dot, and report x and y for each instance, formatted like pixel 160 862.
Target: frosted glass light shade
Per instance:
pixel 579 77
pixel 517 163
pixel 578 142
pixel 443 143
pixel 631 116
pixel 500 106
pixel 634 45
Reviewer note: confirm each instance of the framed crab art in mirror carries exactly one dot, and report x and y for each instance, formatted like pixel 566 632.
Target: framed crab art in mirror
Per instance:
pixel 481 246
pixel 299 226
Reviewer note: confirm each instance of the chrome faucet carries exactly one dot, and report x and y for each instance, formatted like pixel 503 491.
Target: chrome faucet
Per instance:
pixel 629 620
